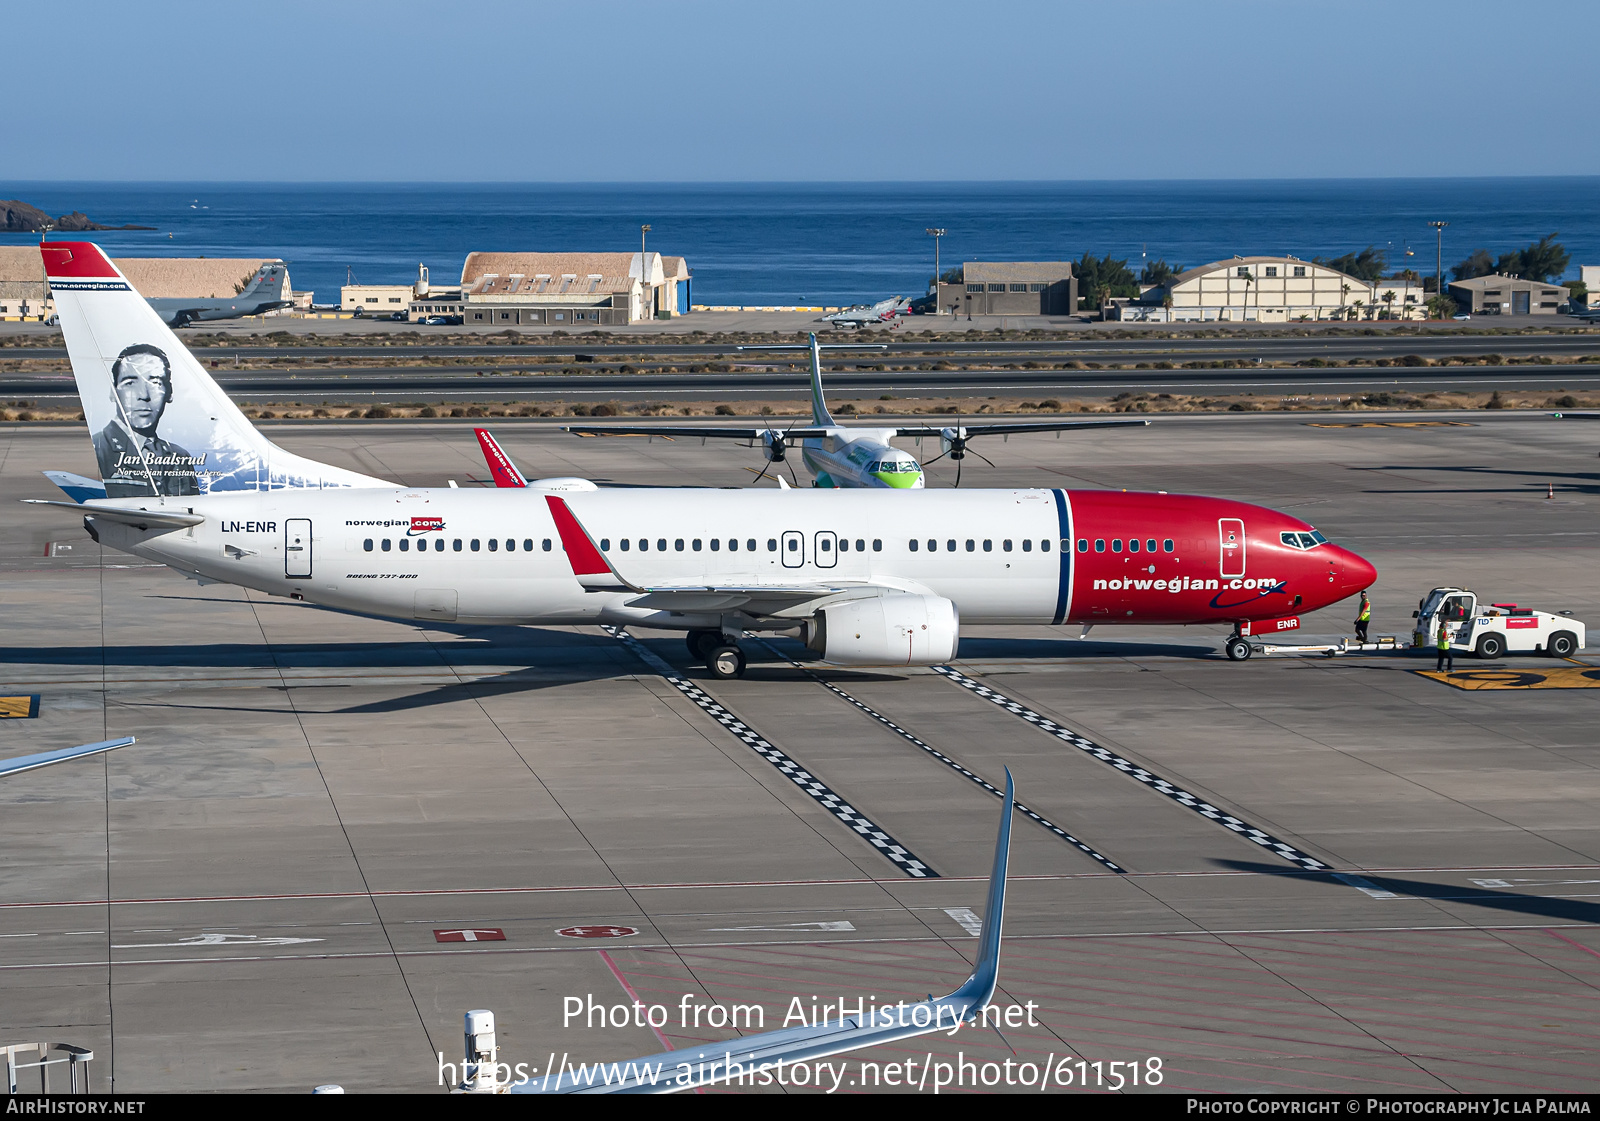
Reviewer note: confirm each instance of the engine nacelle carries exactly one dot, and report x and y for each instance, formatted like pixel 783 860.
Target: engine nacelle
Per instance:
pixel 900 629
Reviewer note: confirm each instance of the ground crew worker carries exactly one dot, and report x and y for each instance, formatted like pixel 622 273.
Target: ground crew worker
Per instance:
pixel 1363 618
pixel 1446 661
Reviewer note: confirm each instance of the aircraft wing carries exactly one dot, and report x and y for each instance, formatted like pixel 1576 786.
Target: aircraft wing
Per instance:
pixel 45 758
pixel 690 432
pixel 596 573
pixel 1022 426
pixel 500 466
pixel 144 519
pixel 709 1064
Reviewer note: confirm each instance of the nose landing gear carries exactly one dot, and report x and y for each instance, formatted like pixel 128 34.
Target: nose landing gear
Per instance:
pixel 1237 647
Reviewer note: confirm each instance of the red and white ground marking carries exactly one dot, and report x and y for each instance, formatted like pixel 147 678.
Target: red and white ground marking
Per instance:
pixel 598 931
pixel 471 934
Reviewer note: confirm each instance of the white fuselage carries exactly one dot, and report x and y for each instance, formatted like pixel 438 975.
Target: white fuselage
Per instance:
pixel 861 457
pixel 378 551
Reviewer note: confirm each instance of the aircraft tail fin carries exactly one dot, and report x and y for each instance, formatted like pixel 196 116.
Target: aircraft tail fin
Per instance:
pixel 268 282
pixel 161 426
pixel 819 405
pixel 500 466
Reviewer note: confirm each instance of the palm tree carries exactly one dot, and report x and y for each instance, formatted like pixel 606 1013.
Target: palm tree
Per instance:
pixel 1388 298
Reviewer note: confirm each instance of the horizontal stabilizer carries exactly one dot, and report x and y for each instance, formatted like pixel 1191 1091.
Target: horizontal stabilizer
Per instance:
pixel 45 758
pixel 143 519
pixel 695 432
pixel 78 488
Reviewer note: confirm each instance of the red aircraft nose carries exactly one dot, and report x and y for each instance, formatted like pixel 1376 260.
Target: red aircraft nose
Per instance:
pixel 1351 573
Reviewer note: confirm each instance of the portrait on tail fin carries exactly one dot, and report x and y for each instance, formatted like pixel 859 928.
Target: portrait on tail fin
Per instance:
pixel 133 457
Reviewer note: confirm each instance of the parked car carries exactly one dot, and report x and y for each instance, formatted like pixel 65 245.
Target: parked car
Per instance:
pixel 398 316
pixel 1462 318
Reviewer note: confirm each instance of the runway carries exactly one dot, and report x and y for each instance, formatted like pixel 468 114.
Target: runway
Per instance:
pixel 265 891
pixel 390 385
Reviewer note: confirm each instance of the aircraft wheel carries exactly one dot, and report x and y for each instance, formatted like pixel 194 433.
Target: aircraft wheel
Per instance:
pixel 725 661
pixel 1562 644
pixel 700 643
pixel 1491 646
pixel 1237 649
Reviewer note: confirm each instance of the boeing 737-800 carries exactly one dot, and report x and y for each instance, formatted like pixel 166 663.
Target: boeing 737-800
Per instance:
pixel 865 576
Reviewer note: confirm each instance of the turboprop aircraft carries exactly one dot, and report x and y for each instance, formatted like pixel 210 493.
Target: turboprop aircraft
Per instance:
pixel 840 456
pixel 866 578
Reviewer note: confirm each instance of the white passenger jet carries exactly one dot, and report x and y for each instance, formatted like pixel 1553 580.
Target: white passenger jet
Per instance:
pixel 839 455
pixel 865 577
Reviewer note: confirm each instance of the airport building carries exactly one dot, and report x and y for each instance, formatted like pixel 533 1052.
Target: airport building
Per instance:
pixel 572 290
pixel 1590 274
pixel 1507 295
pixel 1257 290
pixel 1012 288
pixel 376 299
pixel 23 292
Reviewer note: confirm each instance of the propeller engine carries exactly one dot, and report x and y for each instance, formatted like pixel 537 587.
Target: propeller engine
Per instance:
pixel 774 445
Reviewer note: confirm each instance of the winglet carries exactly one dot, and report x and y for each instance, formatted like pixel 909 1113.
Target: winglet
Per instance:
pixel 500 466
pixel 589 564
pixel 979 987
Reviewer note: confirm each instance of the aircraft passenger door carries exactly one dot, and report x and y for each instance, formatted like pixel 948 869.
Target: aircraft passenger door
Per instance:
pixel 823 550
pixel 794 549
pixel 1231 530
pixel 297 548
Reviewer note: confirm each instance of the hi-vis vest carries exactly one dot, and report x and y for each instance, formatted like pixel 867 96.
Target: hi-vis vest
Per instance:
pixel 1444 637
pixel 1366 613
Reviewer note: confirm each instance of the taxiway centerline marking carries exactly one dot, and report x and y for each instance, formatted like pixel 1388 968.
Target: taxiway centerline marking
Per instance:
pixel 946 760
pixel 814 788
pixel 1135 771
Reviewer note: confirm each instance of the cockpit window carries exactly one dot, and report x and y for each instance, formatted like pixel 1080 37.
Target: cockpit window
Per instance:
pixel 1296 540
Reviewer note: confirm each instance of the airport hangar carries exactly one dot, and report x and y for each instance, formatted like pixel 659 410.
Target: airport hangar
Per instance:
pixel 322 809
pixel 1266 289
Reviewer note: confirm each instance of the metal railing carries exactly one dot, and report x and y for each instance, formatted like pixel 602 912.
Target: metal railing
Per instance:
pixel 69 1054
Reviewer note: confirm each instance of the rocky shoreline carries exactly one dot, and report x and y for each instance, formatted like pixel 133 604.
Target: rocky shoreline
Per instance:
pixel 21 218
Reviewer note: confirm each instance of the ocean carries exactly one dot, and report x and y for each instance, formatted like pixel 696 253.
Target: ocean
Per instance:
pixel 821 243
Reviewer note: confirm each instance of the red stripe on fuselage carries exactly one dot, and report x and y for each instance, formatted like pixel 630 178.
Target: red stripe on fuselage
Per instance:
pixel 76 260
pixel 1186 585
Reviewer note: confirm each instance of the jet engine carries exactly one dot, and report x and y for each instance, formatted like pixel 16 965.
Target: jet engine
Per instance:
pixel 899 629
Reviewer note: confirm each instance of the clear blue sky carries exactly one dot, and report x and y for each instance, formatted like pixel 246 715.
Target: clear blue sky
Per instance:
pixel 909 90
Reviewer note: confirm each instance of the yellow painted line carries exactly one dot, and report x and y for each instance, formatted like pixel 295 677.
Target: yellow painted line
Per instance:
pixel 1584 677
pixel 19 707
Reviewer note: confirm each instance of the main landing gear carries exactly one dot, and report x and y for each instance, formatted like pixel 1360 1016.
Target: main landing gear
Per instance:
pixel 1237 647
pixel 723 659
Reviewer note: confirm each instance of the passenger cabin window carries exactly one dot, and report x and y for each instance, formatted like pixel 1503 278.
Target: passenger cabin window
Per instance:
pixel 405 546
pixel 988 545
pixel 1044 546
pixel 1006 544
pixel 1166 546
pixel 716 544
pixel 695 544
pixel 625 543
pixel 933 546
pixel 913 544
pixel 527 545
pixel 750 544
pixel 677 545
pixel 475 545
pixel 605 545
pixel 1027 544
pixel 1099 544
pixel 972 545
pixel 1150 545
pixel 511 544
pixel 733 544
pixel 547 544
pixel 457 545
pixel 877 544
pixel 772 544
pixel 386 544
pixel 367 544
pixel 494 544
pixel 950 545
pixel 824 544
pixel 1116 544
pixel 1133 545
pixel 1083 544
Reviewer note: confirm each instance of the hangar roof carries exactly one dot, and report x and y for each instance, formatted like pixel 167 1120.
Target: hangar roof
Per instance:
pixel 1017 272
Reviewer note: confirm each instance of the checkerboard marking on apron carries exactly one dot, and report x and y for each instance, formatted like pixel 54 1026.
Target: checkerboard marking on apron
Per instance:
pixel 1133 770
pixel 814 787
pixel 945 759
